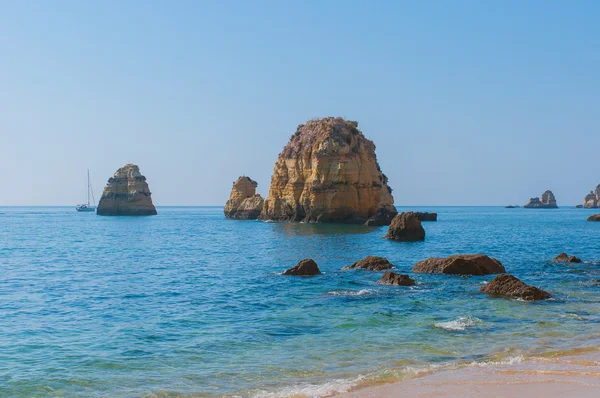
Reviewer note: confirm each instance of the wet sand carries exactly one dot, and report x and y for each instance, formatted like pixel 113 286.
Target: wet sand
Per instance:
pixel 573 376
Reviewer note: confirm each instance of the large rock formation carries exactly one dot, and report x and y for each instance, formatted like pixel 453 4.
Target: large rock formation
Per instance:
pixel 506 285
pixel 306 267
pixel 592 200
pixel 244 203
pixel 371 263
pixel 406 227
pixel 328 172
pixel 460 264
pixel 126 194
pixel 548 201
pixel 426 216
pixel 390 278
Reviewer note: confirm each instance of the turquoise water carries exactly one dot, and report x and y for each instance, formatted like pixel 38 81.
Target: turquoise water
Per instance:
pixel 189 303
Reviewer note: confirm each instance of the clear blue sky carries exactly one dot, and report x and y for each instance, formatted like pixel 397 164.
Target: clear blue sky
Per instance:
pixel 468 102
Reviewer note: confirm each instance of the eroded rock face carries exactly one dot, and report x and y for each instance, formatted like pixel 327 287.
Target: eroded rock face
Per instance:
pixel 126 194
pixel 371 263
pixel 460 264
pixel 390 278
pixel 592 200
pixel 244 203
pixel 506 285
pixel 306 267
pixel 565 258
pixel 406 227
pixel 548 201
pixel 328 172
pixel 426 216
pixel 595 217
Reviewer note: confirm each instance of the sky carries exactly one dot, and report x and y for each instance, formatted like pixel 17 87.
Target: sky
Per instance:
pixel 468 102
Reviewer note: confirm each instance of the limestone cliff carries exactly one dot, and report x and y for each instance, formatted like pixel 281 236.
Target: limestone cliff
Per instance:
pixel 592 200
pixel 126 194
pixel 244 203
pixel 328 172
pixel 548 201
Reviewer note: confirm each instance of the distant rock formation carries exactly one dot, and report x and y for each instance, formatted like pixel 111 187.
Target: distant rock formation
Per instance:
pixel 548 201
pixel 126 194
pixel 390 278
pixel 595 217
pixel 426 216
pixel 460 264
pixel 371 263
pixel 406 227
pixel 306 267
pixel 328 172
pixel 506 285
pixel 565 258
pixel 592 200
pixel 244 203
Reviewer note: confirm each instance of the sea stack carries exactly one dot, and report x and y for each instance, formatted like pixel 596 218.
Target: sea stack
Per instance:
pixel 592 200
pixel 328 172
pixel 548 201
pixel 126 194
pixel 244 203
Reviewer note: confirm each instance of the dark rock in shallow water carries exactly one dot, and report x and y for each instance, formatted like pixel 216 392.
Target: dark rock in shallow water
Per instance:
pixel 406 227
pixel 306 267
pixel 460 264
pixel 579 207
pixel 390 278
pixel 595 217
pixel 506 285
pixel 371 263
pixel 384 216
pixel 565 258
pixel 426 216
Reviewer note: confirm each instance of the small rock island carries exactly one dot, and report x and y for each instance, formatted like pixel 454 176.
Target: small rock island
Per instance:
pixel 328 172
pixel 126 194
pixel 548 201
pixel 592 200
pixel 244 203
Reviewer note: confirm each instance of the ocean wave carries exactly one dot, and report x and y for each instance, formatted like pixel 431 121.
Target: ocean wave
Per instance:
pixel 310 390
pixel 460 323
pixel 361 292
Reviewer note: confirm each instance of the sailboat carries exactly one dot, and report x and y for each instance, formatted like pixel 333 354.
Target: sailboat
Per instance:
pixel 88 206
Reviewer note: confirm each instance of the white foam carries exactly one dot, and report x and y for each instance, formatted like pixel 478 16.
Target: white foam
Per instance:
pixel 351 293
pixel 311 390
pixel 460 323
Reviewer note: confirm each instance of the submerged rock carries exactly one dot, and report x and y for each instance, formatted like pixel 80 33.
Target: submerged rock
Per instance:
pixel 406 227
pixel 328 172
pixel 306 267
pixel 244 203
pixel 506 285
pixel 595 217
pixel 426 216
pixel 390 278
pixel 565 258
pixel 548 201
pixel 126 194
pixel 460 264
pixel 371 263
pixel 592 200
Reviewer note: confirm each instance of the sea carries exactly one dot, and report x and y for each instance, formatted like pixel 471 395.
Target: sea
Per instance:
pixel 188 303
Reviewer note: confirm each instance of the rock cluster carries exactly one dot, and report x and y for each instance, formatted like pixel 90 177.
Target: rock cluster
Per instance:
pixel 426 216
pixel 460 264
pixel 390 278
pixel 244 203
pixel 565 258
pixel 592 200
pixel 371 263
pixel 548 201
pixel 406 227
pixel 595 217
pixel 506 285
pixel 126 194
pixel 328 172
pixel 306 267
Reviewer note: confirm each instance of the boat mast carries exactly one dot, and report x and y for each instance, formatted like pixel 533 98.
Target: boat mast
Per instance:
pixel 88 187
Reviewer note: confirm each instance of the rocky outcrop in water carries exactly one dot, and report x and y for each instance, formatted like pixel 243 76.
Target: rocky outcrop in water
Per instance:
pixel 548 201
pixel 460 264
pixel 426 216
pixel 406 227
pixel 595 217
pixel 592 200
pixel 126 194
pixel 565 258
pixel 390 278
pixel 244 203
pixel 506 285
pixel 306 267
pixel 371 263
pixel 328 172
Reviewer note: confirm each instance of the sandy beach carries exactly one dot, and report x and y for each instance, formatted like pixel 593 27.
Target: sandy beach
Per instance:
pixel 564 376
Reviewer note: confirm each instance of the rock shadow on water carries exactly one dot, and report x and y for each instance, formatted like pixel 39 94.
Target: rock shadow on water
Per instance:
pixel 310 229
